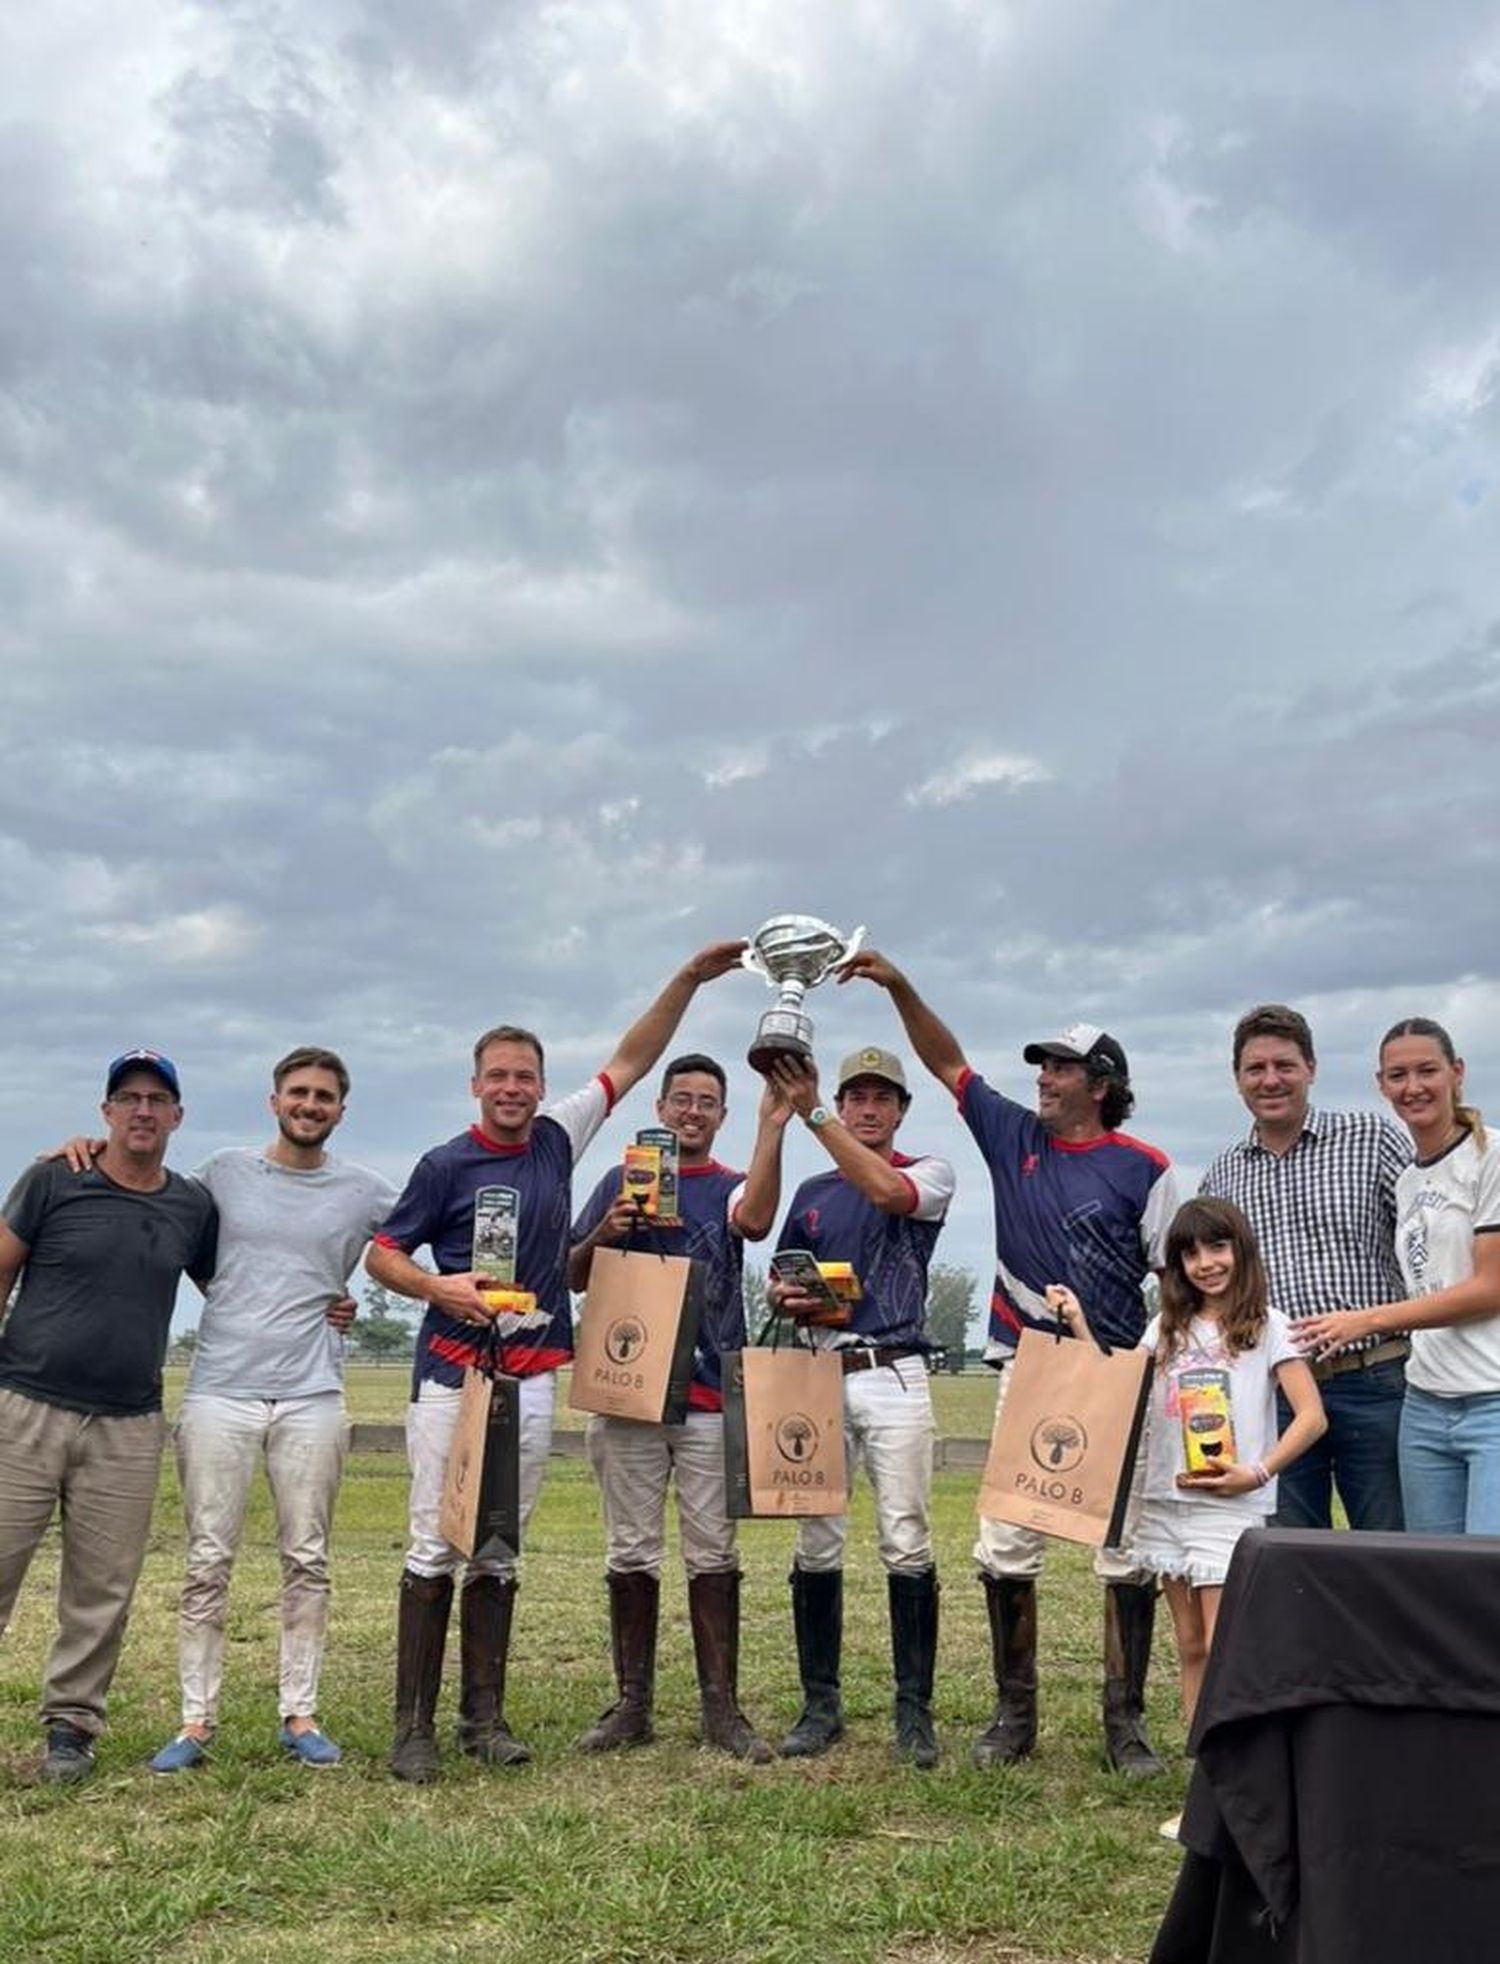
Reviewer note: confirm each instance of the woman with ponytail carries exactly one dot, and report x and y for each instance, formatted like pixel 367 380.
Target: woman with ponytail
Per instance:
pixel 1448 1245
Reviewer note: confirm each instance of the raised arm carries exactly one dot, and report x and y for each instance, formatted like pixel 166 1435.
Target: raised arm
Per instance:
pixel 756 1211
pixel 646 1039
pixel 926 1031
pixel 880 1182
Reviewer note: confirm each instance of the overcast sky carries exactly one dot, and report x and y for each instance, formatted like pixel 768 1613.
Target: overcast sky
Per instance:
pixel 496 495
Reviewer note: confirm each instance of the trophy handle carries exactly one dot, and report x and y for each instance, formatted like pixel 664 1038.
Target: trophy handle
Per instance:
pixel 856 942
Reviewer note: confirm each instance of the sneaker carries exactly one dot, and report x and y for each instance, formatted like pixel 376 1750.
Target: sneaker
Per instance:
pixel 313 1748
pixel 69 1756
pixel 1170 1830
pixel 179 1754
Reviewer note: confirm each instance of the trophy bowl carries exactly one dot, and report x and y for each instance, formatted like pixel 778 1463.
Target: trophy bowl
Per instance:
pixel 793 953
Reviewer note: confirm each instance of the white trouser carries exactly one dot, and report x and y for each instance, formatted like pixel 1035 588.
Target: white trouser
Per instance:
pixel 219 1443
pixel 889 1428
pixel 1017 1552
pixel 633 1462
pixel 430 1420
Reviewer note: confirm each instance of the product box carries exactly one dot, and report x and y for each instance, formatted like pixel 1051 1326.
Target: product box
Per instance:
pixel 1203 1401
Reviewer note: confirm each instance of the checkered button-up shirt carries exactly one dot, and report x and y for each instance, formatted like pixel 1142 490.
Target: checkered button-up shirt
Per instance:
pixel 1324 1211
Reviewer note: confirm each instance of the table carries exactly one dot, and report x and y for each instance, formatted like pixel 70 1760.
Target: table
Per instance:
pixel 1345 1807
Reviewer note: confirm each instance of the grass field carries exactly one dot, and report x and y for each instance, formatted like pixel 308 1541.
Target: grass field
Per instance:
pixel 669 1853
pixel 965 1405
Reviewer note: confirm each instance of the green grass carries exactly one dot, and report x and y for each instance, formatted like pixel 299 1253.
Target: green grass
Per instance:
pixel 965 1405
pixel 669 1854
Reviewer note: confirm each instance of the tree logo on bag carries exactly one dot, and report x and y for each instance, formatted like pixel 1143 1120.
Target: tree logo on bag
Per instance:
pixel 796 1438
pixel 625 1339
pixel 1058 1444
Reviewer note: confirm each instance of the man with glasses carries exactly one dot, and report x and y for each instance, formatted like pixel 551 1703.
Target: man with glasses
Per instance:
pixel 719 1211
pixel 99 1254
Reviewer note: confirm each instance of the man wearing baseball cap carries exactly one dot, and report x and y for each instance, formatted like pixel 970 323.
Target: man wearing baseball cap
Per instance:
pixel 1080 1202
pixel 881 1212
pixel 80 1380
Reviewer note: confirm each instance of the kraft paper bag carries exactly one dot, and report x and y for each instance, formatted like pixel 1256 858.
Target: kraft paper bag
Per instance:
pixel 480 1512
pixel 637 1335
pixel 1064 1447
pixel 784 1434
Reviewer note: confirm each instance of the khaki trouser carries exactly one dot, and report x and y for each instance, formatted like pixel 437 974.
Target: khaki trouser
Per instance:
pixel 220 1442
pixel 102 1473
pixel 633 1461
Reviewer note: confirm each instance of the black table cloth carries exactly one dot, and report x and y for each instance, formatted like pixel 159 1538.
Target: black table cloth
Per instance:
pixel 1346 1801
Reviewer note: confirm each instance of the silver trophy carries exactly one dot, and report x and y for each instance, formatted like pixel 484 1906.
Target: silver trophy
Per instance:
pixel 794 952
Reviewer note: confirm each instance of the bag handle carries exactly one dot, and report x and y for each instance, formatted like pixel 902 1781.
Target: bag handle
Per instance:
pixel 642 1220
pixel 487 1358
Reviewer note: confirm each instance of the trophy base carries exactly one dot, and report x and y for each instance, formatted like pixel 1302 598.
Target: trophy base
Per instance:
pixel 772 1044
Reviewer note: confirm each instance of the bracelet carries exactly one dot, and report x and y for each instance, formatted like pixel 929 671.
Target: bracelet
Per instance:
pixel 1262 1477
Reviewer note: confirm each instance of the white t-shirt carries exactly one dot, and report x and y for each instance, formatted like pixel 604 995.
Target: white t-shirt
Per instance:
pixel 1441 1204
pixel 288 1243
pixel 1252 1404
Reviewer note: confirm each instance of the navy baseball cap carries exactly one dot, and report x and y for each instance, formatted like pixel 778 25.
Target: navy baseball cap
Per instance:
pixel 143 1060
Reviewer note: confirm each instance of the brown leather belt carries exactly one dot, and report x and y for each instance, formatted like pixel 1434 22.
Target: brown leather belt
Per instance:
pixel 861 1358
pixel 1361 1360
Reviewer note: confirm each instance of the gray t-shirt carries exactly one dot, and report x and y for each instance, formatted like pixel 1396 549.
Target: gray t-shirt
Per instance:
pixel 89 1327
pixel 288 1243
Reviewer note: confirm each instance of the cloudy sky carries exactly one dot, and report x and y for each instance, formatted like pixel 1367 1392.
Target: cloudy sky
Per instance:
pixel 494 495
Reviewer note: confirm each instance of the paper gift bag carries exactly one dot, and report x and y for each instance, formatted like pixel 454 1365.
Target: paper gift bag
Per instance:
pixel 480 1512
pixel 784 1433
pixel 1066 1437
pixel 637 1334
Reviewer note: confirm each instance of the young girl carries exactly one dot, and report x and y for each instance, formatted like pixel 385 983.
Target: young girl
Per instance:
pixel 1448 1245
pixel 1214 1340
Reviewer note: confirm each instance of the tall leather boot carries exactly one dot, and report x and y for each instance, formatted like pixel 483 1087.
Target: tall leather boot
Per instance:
pixel 485 1610
pixel 818 1620
pixel 421 1632
pixel 1129 1614
pixel 914 1633
pixel 1011 1602
pixel 634 1600
pixel 714 1610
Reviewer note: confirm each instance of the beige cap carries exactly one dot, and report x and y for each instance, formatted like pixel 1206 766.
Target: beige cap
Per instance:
pixel 871 1062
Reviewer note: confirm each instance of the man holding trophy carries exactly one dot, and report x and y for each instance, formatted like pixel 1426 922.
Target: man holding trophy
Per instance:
pixel 634 1460
pixel 878 1212
pixel 1077 1201
pixel 504 1181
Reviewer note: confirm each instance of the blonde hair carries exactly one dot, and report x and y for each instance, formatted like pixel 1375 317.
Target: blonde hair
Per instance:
pixel 1467 1116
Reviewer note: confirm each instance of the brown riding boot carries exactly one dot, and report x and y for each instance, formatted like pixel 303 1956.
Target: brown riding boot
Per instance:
pixel 1011 1602
pixel 1129 1614
pixel 421 1632
pixel 485 1610
pixel 714 1609
pixel 634 1599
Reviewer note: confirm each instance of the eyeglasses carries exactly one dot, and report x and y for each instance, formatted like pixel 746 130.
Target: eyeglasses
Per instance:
pixel 156 1101
pixel 684 1101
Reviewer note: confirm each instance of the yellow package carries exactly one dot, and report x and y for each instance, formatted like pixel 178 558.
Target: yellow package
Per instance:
pixel 643 1179
pixel 1207 1421
pixel 841 1278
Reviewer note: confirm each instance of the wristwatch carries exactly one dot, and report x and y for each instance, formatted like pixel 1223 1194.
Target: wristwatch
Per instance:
pixel 818 1117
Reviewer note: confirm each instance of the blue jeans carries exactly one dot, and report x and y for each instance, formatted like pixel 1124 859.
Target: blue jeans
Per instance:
pixel 1450 1463
pixel 1358 1453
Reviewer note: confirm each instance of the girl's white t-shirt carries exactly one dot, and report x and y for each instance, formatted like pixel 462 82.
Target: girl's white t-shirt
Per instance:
pixel 1252 1404
pixel 1440 1206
